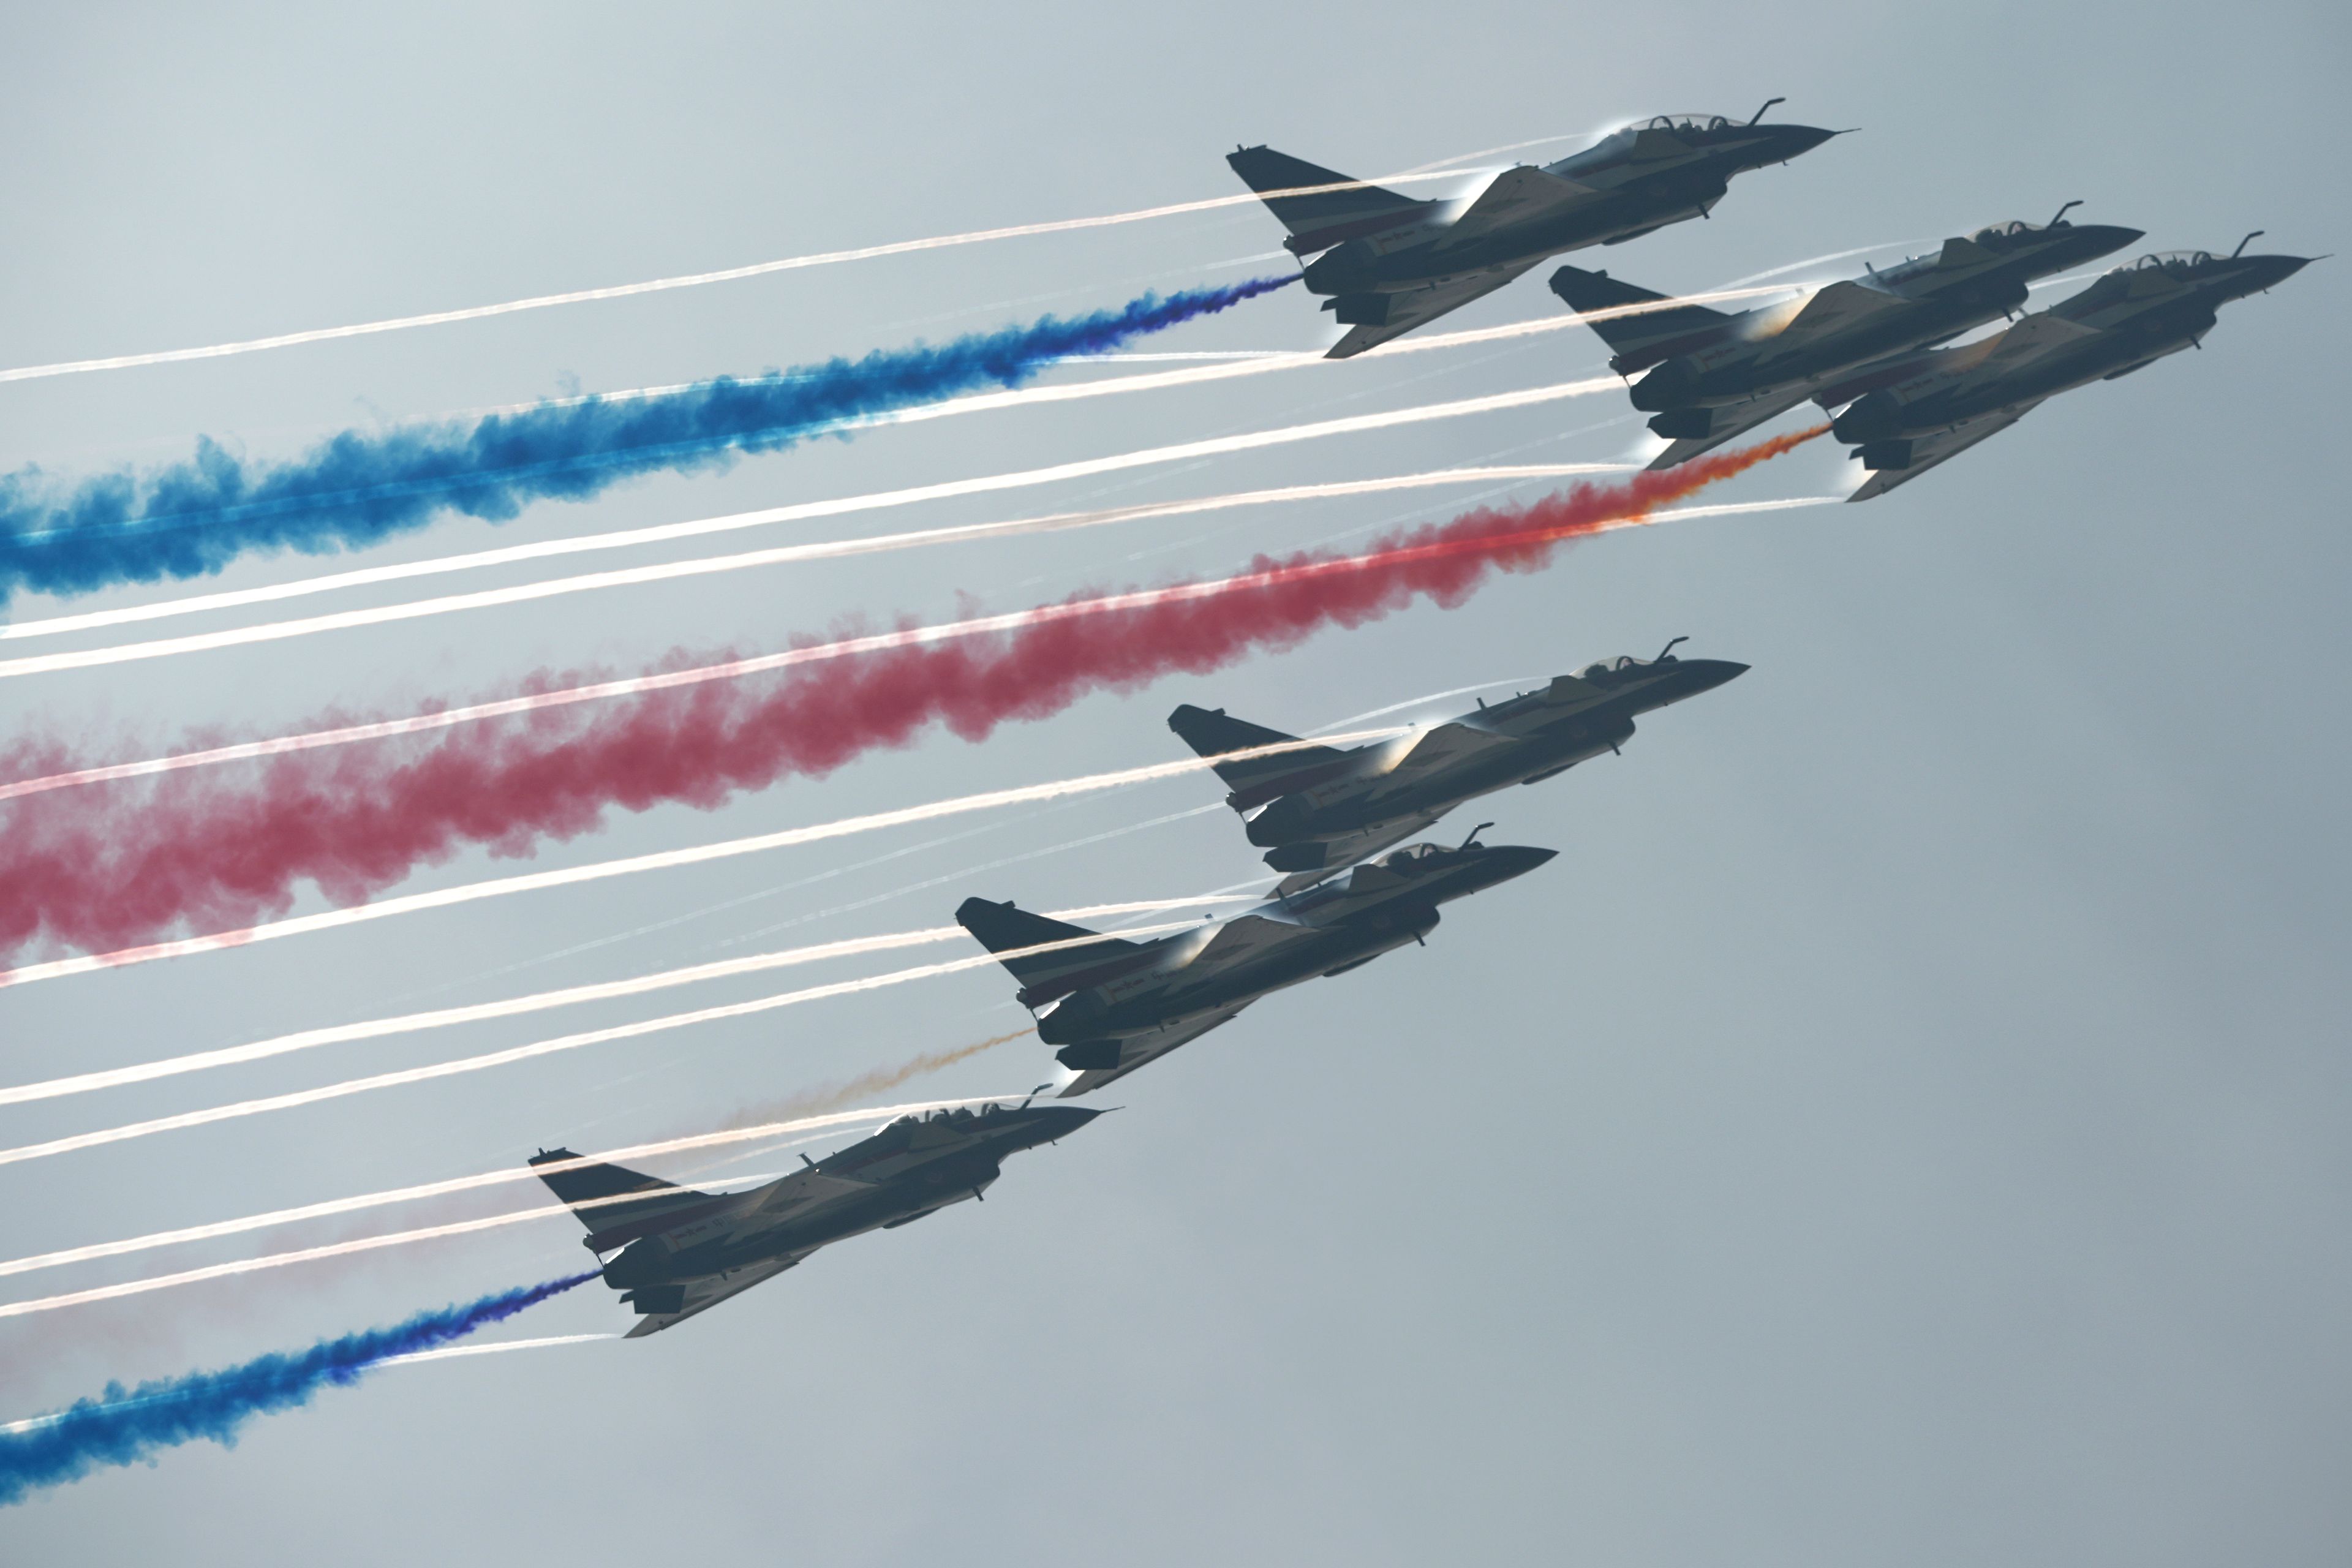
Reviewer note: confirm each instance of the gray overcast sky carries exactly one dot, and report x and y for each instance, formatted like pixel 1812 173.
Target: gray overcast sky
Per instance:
pixel 1906 1122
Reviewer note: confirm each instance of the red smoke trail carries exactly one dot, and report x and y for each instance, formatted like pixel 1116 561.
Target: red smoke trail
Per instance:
pixel 85 868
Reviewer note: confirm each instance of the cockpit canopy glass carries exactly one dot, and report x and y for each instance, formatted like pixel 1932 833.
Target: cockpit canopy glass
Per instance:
pixel 2175 261
pixel 945 1114
pixel 1618 145
pixel 1608 669
pixel 1685 122
pixel 1994 233
pixel 1411 856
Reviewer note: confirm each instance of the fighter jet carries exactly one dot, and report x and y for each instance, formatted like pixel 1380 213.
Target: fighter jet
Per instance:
pixel 1113 1004
pixel 1906 416
pixel 1714 375
pixel 1318 810
pixel 684 1252
pixel 1391 263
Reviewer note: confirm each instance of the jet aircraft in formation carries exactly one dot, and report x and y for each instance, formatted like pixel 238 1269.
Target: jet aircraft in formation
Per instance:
pixel 1712 376
pixel 1864 349
pixel 1113 1004
pixel 1905 417
pixel 1318 810
pixel 1389 263
pixel 683 1252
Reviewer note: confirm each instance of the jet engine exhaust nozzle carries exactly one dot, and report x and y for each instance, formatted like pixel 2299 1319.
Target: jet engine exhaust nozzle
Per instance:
pixel 1683 423
pixel 1671 383
pixel 1875 417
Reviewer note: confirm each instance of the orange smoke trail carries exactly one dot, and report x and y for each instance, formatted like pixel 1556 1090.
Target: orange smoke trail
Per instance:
pixel 833 1097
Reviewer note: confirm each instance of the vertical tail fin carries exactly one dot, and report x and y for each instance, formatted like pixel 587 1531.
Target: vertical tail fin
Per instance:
pixel 1003 928
pixel 1322 218
pixel 1213 735
pixel 605 1197
pixel 1640 338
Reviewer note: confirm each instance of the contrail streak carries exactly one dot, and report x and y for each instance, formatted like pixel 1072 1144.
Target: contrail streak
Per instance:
pixel 334 1207
pixel 536 1049
pixel 660 533
pixel 412 1358
pixel 513 1006
pixel 277 1260
pixel 345 620
pixel 517 1006
pixel 832 549
pixel 447 1352
pixel 1355 719
pixel 695 279
pixel 665 859
pixel 123 1428
pixel 1822 261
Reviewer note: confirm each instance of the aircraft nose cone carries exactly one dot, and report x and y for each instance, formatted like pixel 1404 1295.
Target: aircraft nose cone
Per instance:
pixel 2258 272
pixel 1505 861
pixel 1706 674
pixel 1791 141
pixel 1061 1121
pixel 2087 240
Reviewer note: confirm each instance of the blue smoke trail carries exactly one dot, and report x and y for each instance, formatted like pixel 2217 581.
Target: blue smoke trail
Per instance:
pixel 122 1427
pixel 355 489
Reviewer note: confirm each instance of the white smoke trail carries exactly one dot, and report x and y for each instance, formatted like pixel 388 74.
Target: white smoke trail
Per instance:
pixel 276 1260
pixel 377 1029
pixel 535 881
pixel 815 1126
pixel 277 631
pixel 1355 719
pixel 633 577
pixel 1822 261
pixel 685 280
pixel 436 1071
pixel 35 1423
pixel 1169 356
pixel 1510 147
pixel 538 1002
pixel 1448 169
pixel 664 533
pixel 450 1352
pixel 830 1120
